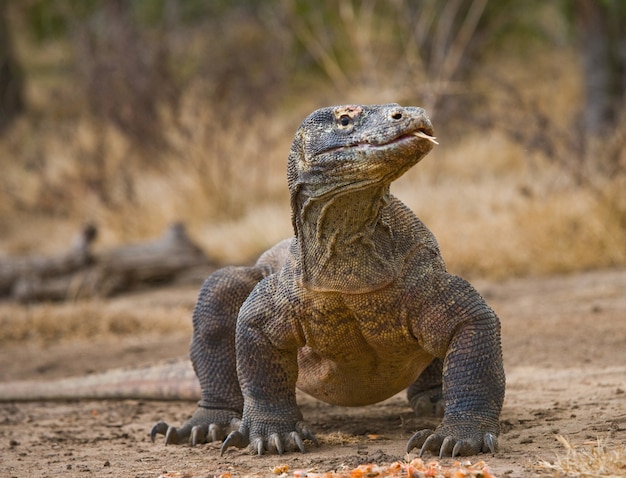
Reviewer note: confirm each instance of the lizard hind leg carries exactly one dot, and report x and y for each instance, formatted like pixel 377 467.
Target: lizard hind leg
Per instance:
pixel 425 394
pixel 212 354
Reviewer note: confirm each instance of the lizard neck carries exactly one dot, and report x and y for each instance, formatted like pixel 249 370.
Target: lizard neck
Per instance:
pixel 346 242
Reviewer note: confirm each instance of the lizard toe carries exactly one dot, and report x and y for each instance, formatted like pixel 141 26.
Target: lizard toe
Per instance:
pixel 236 439
pixel 418 439
pixel 174 436
pixel 257 446
pixel 454 441
pixel 204 425
pixel 199 434
pixel 304 432
pixel 490 443
pixel 448 447
pixel 432 443
pixel 275 443
pixel 159 429
pixel 462 448
pixel 295 442
pixel 262 440
pixel 215 433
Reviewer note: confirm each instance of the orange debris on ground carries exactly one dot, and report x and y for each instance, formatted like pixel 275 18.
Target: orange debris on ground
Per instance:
pixel 415 469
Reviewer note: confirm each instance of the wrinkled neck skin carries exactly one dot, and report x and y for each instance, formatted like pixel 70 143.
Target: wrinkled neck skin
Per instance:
pixel 346 245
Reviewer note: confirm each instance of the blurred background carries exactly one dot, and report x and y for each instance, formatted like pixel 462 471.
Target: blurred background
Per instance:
pixel 134 114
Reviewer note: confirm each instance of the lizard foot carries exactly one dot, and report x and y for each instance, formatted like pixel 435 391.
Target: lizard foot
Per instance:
pixel 205 425
pixel 278 442
pixel 454 440
pixel 428 403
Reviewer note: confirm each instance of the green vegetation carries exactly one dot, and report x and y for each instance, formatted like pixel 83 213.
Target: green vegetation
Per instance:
pixel 135 114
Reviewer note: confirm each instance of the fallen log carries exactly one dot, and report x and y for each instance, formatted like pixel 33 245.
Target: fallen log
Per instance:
pixel 78 256
pixel 81 273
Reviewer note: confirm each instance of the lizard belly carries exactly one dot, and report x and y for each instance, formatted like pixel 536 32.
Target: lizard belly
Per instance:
pixel 364 379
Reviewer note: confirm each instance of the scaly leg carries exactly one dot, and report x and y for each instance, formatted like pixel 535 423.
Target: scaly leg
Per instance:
pixel 459 327
pixel 212 353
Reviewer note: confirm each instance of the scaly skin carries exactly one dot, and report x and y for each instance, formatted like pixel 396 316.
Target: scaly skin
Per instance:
pixel 355 308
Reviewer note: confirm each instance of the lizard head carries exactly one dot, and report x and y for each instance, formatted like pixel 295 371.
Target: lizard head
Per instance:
pixel 347 148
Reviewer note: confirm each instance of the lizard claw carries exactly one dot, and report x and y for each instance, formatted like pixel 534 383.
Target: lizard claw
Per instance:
pixel 490 443
pixel 307 434
pixel 203 433
pixel 199 434
pixel 258 444
pixel 161 428
pixel 448 446
pixel 204 425
pixel 173 437
pixel 278 442
pixel 215 433
pixel 447 443
pixel 432 442
pixel 236 439
pixel 296 439
pixel 417 440
pixel 457 449
pixel 274 442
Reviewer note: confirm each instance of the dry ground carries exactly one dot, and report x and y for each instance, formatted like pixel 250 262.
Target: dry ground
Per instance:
pixel 564 342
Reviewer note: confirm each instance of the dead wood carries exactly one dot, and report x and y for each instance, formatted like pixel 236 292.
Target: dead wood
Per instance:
pixel 81 272
pixel 78 256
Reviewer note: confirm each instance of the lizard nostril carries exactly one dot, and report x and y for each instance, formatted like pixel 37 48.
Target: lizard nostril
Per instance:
pixel 397 115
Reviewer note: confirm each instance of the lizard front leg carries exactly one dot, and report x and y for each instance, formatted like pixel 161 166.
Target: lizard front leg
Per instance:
pixel 457 325
pixel 267 366
pixel 212 353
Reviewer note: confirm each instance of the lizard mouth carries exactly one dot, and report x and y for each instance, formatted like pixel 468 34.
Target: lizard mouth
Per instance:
pixel 424 133
pixel 427 135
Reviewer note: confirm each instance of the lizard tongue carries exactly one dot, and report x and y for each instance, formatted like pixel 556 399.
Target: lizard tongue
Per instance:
pixel 421 134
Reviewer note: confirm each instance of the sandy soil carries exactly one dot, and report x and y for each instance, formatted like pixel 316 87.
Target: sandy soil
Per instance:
pixel 564 341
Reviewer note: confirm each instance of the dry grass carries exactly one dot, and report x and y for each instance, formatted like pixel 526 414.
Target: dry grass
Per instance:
pixel 162 312
pixel 338 438
pixel 497 209
pixel 596 459
pixel 495 212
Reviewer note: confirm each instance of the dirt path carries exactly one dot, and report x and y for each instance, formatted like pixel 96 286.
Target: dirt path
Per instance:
pixel 564 344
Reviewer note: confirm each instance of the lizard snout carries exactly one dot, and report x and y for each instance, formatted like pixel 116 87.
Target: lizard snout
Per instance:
pixel 416 117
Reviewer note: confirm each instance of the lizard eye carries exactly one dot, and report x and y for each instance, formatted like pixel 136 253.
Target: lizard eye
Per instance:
pixel 345 120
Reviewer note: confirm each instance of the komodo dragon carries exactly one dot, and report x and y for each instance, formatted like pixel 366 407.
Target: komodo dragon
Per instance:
pixel 356 307
pixel 353 309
